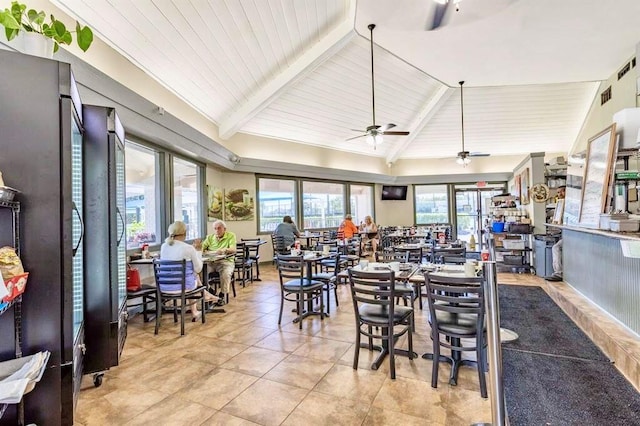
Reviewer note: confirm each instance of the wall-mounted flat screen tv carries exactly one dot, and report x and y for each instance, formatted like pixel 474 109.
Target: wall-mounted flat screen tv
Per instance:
pixel 391 192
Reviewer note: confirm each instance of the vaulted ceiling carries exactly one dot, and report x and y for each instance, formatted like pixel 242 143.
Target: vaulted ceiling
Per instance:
pixel 300 70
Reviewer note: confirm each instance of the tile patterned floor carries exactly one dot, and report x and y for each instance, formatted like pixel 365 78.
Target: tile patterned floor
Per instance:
pixel 241 368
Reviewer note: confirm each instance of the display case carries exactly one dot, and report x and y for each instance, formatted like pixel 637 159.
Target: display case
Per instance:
pixel 105 260
pixel 42 154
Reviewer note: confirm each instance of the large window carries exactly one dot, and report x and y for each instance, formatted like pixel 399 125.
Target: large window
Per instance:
pixel 186 196
pixel 276 199
pixel 361 202
pixel 432 204
pixel 161 188
pixel 142 225
pixel 323 204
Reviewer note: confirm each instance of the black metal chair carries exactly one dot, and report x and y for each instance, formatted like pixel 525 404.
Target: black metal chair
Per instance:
pixel 253 255
pixel 243 268
pixel 296 287
pixel 330 280
pixel 373 295
pixel 144 298
pixel 438 254
pixel 278 245
pixel 457 311
pixel 171 286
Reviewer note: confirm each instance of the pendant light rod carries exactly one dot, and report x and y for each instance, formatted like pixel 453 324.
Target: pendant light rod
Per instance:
pixel 373 89
pixel 462 113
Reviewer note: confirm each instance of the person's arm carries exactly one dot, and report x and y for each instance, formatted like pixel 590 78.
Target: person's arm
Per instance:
pixel 206 243
pixel 296 232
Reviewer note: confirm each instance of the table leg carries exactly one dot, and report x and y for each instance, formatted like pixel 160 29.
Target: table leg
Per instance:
pixel 205 282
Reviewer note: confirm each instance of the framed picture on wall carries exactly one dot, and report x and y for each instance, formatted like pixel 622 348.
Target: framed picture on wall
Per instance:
pixel 238 205
pixel 518 186
pixel 215 203
pixel 524 187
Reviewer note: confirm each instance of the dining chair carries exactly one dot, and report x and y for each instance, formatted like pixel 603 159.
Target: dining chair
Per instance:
pixel 374 295
pixel 243 270
pixel 457 312
pixel 330 280
pixel 296 287
pixel 253 257
pixel 278 245
pixel 438 254
pixel 171 286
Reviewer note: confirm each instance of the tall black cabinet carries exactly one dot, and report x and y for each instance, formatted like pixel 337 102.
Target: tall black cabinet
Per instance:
pixel 105 251
pixel 41 155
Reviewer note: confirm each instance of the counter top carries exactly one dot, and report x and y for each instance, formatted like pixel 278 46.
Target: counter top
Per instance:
pixel 634 236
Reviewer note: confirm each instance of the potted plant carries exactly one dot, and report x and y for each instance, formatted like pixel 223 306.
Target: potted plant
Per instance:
pixel 18 18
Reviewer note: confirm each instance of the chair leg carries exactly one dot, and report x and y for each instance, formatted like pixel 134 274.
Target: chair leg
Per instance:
pixel 322 304
pixel 392 358
pixel 335 293
pixel 183 307
pixel 204 307
pixel 436 358
pixel 327 289
pixel 481 377
pixel 257 270
pixel 300 310
pixel 412 327
pixel 356 352
pixel 158 312
pixel 281 307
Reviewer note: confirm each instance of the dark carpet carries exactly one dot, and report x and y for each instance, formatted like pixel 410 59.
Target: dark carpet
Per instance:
pixel 555 375
pixel 550 390
pixel 542 326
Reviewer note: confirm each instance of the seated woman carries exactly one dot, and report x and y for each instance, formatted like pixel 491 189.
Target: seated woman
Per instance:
pixel 288 230
pixel 370 233
pixel 174 248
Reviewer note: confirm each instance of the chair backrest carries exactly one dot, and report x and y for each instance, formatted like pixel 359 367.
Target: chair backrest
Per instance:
pixel 279 247
pixel 391 256
pixel 373 288
pixel 241 254
pixel 414 255
pixel 290 267
pixel 437 254
pixel 251 249
pixel 457 295
pixel 173 275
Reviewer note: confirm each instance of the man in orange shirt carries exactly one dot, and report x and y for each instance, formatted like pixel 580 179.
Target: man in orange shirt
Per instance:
pixel 347 227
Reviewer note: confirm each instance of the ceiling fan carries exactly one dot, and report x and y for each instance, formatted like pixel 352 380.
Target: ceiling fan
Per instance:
pixel 375 132
pixel 464 157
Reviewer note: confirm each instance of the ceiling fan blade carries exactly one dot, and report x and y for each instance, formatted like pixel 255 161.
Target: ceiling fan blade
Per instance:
pixel 396 133
pixel 386 127
pixel 438 15
pixel 356 137
pixel 478 154
pixel 358 130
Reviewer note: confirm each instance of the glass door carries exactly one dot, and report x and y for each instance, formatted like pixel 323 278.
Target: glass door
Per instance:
pixel 472 211
pixel 121 242
pixel 77 227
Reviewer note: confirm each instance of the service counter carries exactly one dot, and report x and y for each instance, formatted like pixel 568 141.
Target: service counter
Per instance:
pixel 594 265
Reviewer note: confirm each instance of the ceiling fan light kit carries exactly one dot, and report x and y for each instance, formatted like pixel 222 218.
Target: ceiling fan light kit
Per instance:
pixel 374 133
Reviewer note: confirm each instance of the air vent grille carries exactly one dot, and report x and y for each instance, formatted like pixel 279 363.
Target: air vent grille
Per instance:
pixel 624 70
pixel 605 96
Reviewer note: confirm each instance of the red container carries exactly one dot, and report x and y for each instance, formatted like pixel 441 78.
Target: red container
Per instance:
pixel 15 286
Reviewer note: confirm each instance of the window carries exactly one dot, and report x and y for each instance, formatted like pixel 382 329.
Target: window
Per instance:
pixel 276 199
pixel 323 204
pixel 186 196
pixel 432 204
pixel 361 202
pixel 141 189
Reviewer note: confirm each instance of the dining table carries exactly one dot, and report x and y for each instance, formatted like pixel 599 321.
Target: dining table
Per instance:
pixel 250 244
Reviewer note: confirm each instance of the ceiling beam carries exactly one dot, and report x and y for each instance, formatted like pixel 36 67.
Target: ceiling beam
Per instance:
pixel 421 120
pixel 309 61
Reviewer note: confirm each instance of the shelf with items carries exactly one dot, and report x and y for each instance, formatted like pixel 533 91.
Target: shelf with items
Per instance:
pixel 514 250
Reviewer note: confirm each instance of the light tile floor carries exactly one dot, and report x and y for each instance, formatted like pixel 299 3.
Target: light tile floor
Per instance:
pixel 241 368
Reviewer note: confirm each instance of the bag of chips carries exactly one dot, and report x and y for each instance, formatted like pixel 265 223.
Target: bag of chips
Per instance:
pixel 10 264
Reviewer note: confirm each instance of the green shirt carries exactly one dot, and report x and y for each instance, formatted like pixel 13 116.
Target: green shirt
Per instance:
pixel 213 243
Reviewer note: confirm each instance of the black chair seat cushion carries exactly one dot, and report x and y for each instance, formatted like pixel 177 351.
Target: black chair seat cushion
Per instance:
pixel 294 285
pixel 454 323
pixel 379 315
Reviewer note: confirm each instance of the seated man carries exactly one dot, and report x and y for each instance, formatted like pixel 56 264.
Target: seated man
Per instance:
pixel 222 242
pixel 556 250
